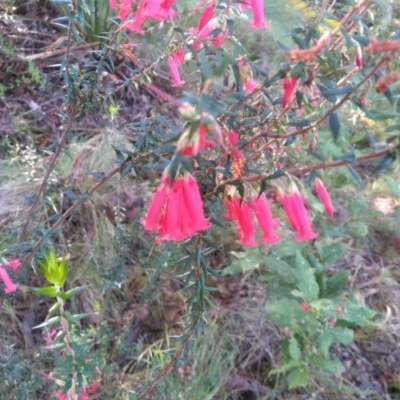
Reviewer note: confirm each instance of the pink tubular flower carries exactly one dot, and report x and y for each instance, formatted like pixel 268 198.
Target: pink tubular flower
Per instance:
pixel 176 212
pixel 9 285
pixel 174 62
pixel 246 75
pixel 288 207
pixel 84 393
pixel 153 8
pixel 289 86
pixel 206 15
pixel 192 144
pixel 139 18
pixel 265 219
pixel 203 33
pixel 305 307
pixel 324 197
pixel 358 56
pixel 257 7
pixel 123 7
pixel 234 139
pixel 240 212
pixel 160 9
pixel 304 231
pixel 297 215
pixel 14 264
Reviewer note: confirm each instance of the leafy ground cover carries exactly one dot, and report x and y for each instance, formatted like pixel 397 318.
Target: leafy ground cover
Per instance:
pixel 275 327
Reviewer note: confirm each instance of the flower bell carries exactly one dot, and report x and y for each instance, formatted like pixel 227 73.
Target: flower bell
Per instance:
pixel 9 285
pixel 241 213
pixel 289 86
pixel 176 211
pixel 257 7
pixel 324 197
pixel 174 62
pixel 297 215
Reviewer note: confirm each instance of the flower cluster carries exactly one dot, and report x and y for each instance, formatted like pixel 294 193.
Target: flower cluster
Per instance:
pixel 297 214
pixel 241 213
pixel 176 211
pixel 155 9
pixel 9 285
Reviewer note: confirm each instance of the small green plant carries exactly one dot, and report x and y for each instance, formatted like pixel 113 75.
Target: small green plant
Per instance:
pixel 75 366
pixel 315 310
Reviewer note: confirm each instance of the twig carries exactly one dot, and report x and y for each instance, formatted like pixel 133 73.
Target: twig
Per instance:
pixel 325 116
pixel 323 165
pixel 67 213
pixel 168 367
pixel 48 173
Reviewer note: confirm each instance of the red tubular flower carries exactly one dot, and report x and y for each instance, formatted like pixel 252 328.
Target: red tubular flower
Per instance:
pixel 203 33
pixel 297 215
pixel 166 9
pixel 265 219
pixel 358 56
pixel 9 285
pixel 153 8
pixel 176 211
pixel 152 220
pixel 324 197
pixel 304 231
pixel 206 15
pixel 257 7
pixel 305 307
pixel 174 62
pixel 289 86
pixel 14 264
pixel 191 145
pixel 140 17
pixel 288 207
pixel 234 139
pixel 240 212
pixel 195 221
pixel 123 7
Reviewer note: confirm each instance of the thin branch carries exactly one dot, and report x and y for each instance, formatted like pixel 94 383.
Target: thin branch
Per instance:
pixel 168 367
pixel 67 213
pixel 323 165
pixel 48 173
pixel 325 116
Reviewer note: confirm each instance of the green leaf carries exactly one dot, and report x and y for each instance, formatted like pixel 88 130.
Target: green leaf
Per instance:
pixel 342 335
pixel 306 281
pixel 348 157
pixel 337 91
pixel 356 313
pixel 286 248
pixel 324 342
pixel 298 376
pixel 393 185
pixel 359 228
pixel 356 176
pixel 283 368
pixel 244 262
pixel 382 115
pixel 53 310
pixel 334 366
pixel 281 268
pixel 74 291
pixel 294 350
pixel 386 162
pixel 330 253
pixel 317 155
pixel 48 291
pixel 334 125
pixel 49 322
pixel 335 284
